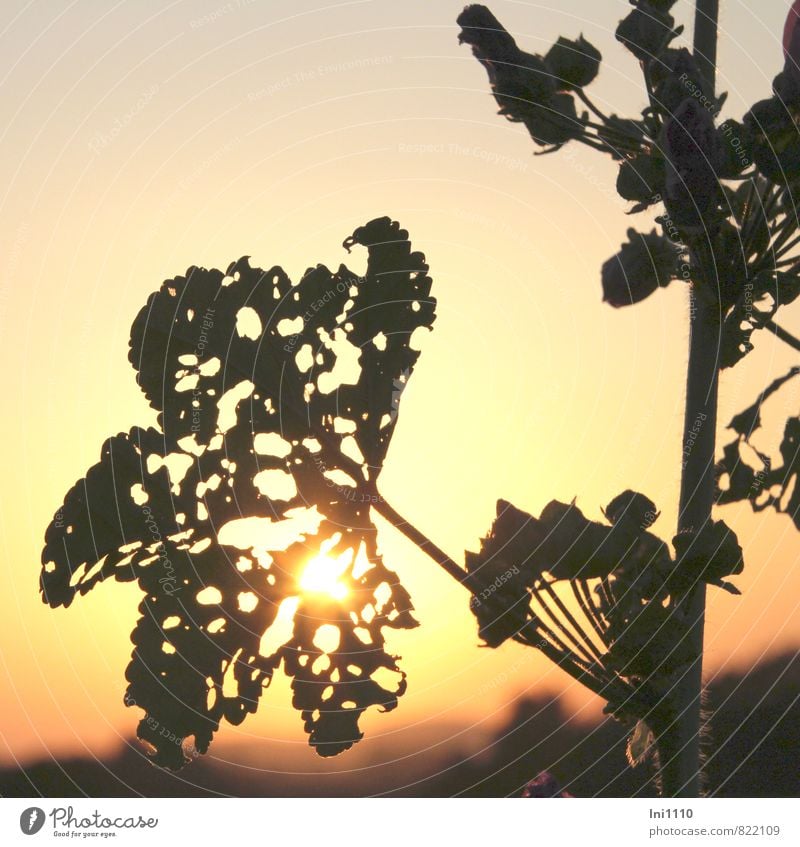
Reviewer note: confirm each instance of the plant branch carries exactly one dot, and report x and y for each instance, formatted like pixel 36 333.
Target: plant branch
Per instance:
pixel 784 336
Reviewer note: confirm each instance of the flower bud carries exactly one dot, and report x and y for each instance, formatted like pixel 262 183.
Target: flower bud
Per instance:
pixel 573 64
pixel 647 30
pixel 644 264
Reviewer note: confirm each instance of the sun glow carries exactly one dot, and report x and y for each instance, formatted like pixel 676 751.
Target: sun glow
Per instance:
pixel 322 575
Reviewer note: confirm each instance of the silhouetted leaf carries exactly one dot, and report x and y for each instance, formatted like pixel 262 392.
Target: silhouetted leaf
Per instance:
pixel 748 421
pixel 758 301
pixel 276 406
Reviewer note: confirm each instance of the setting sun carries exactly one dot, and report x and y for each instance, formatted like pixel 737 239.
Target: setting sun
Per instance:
pixel 322 575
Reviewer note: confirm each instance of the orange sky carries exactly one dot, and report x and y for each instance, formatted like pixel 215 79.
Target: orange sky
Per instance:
pixel 140 138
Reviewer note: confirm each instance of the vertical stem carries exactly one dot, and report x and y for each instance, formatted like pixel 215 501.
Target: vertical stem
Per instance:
pixel 677 724
pixel 706 16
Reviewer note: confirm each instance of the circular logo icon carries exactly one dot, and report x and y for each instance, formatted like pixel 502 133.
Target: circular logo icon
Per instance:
pixel 31 820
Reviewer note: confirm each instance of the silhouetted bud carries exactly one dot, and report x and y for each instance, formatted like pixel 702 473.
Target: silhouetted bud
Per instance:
pixel 647 30
pixel 482 30
pixel 523 85
pixel 775 140
pixel 676 76
pixel 544 785
pixel 633 510
pixel 641 179
pixel 692 152
pixel 645 263
pixel 706 556
pixel 791 42
pixel 574 64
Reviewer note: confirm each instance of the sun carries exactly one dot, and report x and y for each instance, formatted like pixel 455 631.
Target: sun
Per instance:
pixel 322 575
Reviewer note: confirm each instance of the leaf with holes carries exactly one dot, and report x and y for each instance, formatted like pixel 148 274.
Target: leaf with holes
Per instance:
pixel 246 518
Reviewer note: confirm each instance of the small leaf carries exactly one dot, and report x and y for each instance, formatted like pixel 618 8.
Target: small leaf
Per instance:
pixel 641 744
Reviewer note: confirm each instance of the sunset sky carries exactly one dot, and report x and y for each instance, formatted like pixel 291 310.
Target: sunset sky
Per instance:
pixel 139 138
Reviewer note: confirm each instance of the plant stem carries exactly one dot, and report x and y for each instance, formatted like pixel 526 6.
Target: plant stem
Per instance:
pixel 706 17
pixel 422 541
pixel 677 721
pixel 784 336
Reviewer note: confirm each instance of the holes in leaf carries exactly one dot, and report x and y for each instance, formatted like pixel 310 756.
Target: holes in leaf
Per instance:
pixel 199 546
pixel 275 484
pixel 282 628
pixel 171 622
pixel 327 638
pixel 386 678
pixel 263 534
pixel 247 601
pixel 346 370
pixel 227 404
pixel 230 686
pixel 216 625
pixel 304 358
pixel 209 596
pixel 340 478
pixel 138 494
pixel 321 664
pixel 248 323
pixel 290 326
pixel 271 444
